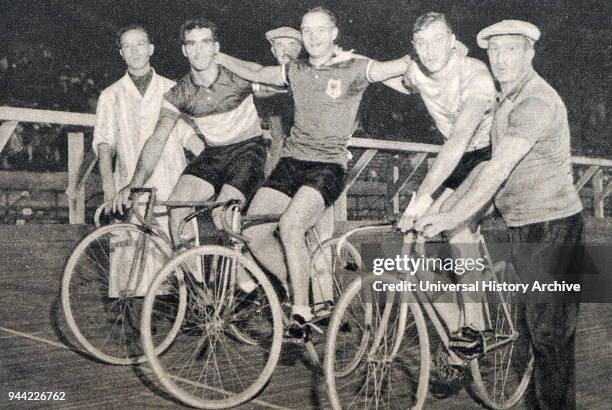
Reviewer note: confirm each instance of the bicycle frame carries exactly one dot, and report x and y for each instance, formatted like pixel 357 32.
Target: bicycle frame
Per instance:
pixel 148 222
pixel 425 303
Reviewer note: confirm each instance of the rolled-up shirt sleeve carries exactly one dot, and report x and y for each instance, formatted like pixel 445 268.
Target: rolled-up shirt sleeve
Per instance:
pixel 528 120
pixel 106 127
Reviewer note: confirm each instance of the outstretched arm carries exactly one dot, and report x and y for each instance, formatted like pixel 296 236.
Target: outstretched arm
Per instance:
pixel 381 71
pixel 271 75
pixel 397 84
pixel 394 81
pixel 261 90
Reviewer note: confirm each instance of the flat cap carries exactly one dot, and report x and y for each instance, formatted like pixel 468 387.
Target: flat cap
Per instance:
pixel 507 27
pixel 286 32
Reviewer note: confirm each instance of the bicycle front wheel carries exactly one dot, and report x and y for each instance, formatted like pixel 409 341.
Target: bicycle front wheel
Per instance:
pixel 501 376
pixel 377 350
pixel 208 366
pixel 100 290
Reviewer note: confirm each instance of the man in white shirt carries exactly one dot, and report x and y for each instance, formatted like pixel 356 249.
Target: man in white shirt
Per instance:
pixel 126 115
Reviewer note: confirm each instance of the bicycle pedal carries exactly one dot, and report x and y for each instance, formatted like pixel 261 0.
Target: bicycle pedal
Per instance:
pixel 294 335
pixel 469 343
pixel 322 313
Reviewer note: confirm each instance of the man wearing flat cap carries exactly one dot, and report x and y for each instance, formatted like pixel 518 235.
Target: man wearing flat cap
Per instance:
pixel 530 176
pixel 286 45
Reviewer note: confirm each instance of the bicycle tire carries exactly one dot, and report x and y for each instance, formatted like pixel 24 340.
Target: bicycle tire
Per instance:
pixel 108 327
pixel 406 361
pixel 206 330
pixel 497 384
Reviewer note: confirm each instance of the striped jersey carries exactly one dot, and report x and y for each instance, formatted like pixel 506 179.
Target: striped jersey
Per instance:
pixel 221 114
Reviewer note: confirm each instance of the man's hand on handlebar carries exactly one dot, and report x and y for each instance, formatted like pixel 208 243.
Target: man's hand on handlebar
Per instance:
pixel 121 202
pixel 415 209
pixel 432 225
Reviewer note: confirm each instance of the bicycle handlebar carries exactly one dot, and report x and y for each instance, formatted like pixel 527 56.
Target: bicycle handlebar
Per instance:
pixel 230 207
pixel 98 213
pixel 205 207
pixel 386 225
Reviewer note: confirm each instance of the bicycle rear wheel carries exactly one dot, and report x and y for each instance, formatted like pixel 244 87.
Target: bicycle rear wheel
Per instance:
pixel 501 376
pixel 344 265
pixel 377 350
pixel 100 288
pixel 208 366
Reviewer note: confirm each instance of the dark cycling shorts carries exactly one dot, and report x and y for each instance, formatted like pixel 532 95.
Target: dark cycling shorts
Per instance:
pixel 240 165
pixel 466 164
pixel 290 174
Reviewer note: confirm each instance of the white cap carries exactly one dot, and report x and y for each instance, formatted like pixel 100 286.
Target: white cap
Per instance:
pixel 505 27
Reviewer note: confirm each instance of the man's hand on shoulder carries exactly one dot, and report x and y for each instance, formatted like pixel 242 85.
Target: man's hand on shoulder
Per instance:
pixel 341 55
pixel 407 59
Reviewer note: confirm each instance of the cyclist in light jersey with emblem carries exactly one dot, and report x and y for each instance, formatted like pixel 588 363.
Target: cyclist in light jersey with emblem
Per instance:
pixel 459 94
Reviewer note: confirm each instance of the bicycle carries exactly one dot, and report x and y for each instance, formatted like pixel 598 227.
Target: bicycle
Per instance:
pixel 386 362
pixel 104 281
pixel 230 340
pixel 195 287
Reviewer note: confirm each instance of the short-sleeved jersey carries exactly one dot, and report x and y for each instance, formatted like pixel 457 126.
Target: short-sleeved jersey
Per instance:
pixel 541 186
pixel 326 103
pixel 221 114
pixel 462 79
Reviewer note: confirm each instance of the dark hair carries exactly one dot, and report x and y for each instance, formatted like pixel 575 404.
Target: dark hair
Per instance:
pixel 198 23
pixel 332 17
pixel 131 27
pixel 425 20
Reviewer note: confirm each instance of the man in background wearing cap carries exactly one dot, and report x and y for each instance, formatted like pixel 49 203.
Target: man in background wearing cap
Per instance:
pixel 531 177
pixel 286 45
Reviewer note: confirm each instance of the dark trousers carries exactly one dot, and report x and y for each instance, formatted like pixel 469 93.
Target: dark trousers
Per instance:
pixel 545 252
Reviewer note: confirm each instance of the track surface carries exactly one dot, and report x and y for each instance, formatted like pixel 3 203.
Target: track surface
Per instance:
pixel 37 352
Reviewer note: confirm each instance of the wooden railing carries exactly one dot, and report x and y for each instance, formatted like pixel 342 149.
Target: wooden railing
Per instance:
pixel 80 164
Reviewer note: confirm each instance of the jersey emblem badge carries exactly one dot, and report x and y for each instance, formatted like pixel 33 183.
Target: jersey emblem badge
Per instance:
pixel 334 88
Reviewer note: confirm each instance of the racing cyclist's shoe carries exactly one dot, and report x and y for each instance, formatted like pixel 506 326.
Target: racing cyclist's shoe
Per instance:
pixel 469 343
